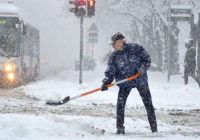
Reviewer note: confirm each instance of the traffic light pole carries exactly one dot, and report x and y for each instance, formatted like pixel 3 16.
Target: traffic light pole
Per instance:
pixel 198 49
pixel 79 10
pixel 170 49
pixel 92 51
pixel 81 50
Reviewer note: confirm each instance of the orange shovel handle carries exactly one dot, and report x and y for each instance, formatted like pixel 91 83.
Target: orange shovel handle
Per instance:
pixel 110 85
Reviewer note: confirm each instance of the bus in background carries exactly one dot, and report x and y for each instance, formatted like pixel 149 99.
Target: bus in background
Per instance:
pixel 19 48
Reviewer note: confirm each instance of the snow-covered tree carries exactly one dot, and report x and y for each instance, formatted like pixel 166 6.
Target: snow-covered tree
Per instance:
pixel 143 21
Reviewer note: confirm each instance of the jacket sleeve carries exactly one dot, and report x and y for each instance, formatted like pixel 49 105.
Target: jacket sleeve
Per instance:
pixel 110 71
pixel 190 56
pixel 187 56
pixel 145 58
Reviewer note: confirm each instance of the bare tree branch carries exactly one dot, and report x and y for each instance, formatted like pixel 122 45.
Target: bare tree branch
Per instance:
pixel 131 15
pixel 157 13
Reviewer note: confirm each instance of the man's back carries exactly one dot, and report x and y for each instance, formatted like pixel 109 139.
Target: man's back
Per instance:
pixel 190 56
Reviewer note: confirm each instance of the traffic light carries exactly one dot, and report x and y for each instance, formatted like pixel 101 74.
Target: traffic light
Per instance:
pixel 74 9
pixel 79 7
pixel 90 8
pixel 81 2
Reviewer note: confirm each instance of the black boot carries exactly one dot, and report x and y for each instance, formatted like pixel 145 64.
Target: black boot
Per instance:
pixel 120 131
pixel 154 128
pixel 154 131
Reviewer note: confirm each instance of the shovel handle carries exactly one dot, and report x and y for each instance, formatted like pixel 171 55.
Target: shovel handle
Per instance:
pixel 110 85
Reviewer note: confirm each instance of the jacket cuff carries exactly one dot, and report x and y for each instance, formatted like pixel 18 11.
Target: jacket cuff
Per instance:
pixel 106 81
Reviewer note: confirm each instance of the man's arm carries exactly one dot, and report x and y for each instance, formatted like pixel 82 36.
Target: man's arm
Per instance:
pixel 187 56
pixel 110 71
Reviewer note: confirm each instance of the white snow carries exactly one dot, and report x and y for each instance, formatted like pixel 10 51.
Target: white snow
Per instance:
pixel 181 7
pixel 8 10
pixel 172 95
pixel 165 94
pixel 32 127
pixel 50 127
pixel 28 127
pixel 180 15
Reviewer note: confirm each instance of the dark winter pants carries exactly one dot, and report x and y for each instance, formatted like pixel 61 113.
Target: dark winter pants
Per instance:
pixel 146 98
pixel 190 72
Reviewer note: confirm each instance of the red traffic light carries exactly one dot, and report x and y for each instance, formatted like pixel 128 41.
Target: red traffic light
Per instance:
pixel 81 2
pixel 78 2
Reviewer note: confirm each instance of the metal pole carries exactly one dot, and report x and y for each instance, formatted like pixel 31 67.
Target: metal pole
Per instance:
pixel 170 55
pixel 169 44
pixel 81 50
pixel 198 49
pixel 92 51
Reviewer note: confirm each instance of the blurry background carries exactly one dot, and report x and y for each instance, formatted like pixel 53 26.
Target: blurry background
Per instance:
pixel 143 21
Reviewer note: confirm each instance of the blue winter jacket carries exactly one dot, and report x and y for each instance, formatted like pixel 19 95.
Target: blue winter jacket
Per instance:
pixel 125 63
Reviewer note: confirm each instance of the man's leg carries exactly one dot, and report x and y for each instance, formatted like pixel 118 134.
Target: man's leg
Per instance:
pixel 121 102
pixel 146 98
pixel 186 76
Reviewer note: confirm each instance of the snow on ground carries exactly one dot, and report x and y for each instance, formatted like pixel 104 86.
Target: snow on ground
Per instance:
pixel 68 123
pixel 48 127
pixel 168 95
pixel 93 116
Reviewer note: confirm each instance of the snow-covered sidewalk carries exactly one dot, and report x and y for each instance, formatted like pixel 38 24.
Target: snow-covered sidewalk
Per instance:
pixel 93 117
pixel 51 127
pixel 166 95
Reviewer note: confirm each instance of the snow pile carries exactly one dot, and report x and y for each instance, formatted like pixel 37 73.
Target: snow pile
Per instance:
pixel 27 127
pixel 165 95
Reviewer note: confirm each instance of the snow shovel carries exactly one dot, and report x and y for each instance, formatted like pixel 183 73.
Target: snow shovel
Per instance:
pixel 67 99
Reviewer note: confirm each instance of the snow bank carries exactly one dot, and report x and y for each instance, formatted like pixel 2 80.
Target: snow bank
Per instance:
pixel 165 95
pixel 24 127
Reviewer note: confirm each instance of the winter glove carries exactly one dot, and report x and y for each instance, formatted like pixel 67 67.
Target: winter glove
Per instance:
pixel 142 70
pixel 105 82
pixel 104 87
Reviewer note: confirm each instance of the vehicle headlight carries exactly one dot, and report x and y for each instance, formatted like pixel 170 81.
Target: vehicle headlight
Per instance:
pixel 9 67
pixel 11 76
